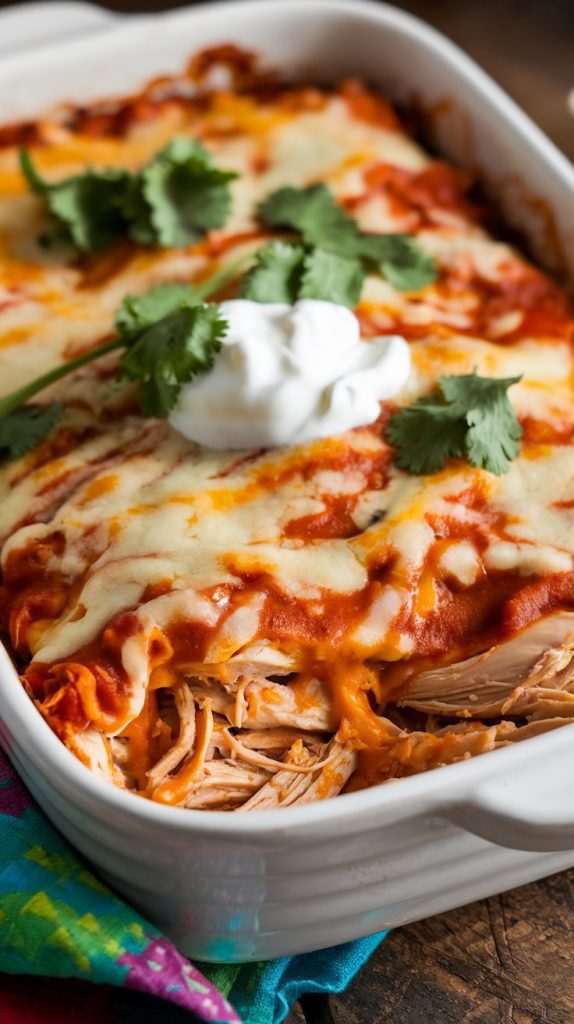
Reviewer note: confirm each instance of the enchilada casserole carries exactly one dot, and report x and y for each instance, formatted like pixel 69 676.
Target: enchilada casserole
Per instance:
pixel 247 629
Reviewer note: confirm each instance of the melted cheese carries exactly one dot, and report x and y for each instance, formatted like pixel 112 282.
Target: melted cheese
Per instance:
pixel 131 533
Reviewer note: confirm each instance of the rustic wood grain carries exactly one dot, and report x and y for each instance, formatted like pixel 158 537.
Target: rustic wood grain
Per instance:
pixel 505 960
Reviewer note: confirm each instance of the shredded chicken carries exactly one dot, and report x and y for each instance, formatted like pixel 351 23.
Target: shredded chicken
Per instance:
pixel 327 778
pixel 235 743
pixel 185 705
pixel 527 686
pixel 225 784
pixel 253 757
pixel 267 704
pixel 208 766
pixel 480 686
pixel 98 753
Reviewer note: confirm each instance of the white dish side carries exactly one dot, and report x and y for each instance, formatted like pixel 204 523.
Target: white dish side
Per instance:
pixel 241 888
pixel 22 28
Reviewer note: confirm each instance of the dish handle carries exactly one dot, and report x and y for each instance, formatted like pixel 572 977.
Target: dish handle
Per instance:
pixel 530 809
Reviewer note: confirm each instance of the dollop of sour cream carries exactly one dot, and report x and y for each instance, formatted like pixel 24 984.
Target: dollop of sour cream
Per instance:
pixel 289 374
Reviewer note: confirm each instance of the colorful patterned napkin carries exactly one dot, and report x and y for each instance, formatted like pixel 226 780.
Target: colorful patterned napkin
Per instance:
pixel 58 921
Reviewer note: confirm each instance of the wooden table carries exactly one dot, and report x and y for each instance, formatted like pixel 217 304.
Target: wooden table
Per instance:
pixel 506 960
pixel 509 959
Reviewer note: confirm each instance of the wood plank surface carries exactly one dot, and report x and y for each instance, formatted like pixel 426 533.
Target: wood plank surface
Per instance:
pixel 505 960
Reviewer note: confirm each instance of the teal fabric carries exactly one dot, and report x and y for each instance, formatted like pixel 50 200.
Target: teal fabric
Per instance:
pixel 57 920
pixel 264 993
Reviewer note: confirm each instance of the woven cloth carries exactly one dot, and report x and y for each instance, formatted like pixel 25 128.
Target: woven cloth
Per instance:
pixel 58 921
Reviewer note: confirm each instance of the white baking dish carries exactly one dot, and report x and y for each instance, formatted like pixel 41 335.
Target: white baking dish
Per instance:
pixel 239 888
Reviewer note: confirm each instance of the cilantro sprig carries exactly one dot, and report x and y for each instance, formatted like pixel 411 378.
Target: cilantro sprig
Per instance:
pixel 470 417
pixel 168 336
pixel 331 256
pixel 172 201
pixel 286 273
pixel 25 427
pixel 171 352
pixel 178 196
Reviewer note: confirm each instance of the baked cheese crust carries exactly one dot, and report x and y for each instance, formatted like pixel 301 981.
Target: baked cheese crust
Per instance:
pixel 156 594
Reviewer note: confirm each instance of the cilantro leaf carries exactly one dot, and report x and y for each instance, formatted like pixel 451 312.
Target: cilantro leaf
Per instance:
pixel 471 416
pixel 168 336
pixel 25 427
pixel 138 312
pixel 285 273
pixel 426 435
pixel 170 353
pixel 493 430
pixel 172 201
pixel 90 208
pixel 276 276
pixel 321 223
pixel 331 277
pixel 178 196
pixel 87 207
pixel 314 213
pixel 400 259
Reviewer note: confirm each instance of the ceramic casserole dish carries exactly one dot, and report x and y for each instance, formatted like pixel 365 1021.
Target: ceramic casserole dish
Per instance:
pixel 241 888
